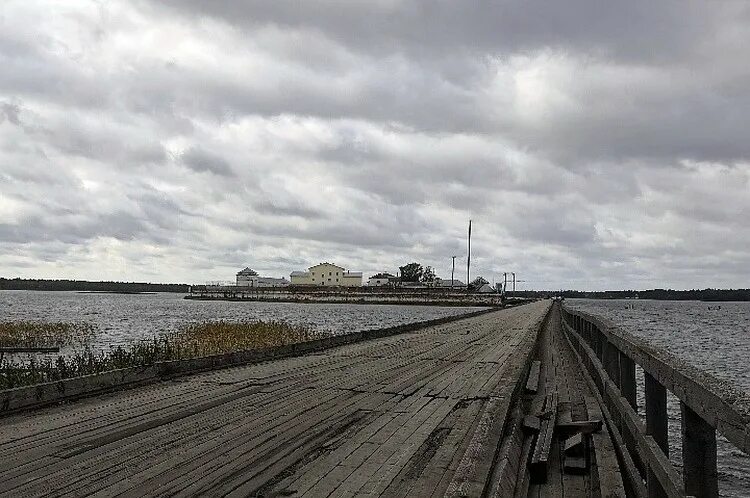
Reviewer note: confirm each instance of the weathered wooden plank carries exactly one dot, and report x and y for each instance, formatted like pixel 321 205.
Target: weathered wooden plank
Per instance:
pixel 630 419
pixel 533 381
pixel 542 450
pixel 607 467
pixel 108 456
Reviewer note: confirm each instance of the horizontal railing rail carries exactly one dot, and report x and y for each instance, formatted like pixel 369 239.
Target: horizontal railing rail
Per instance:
pixel 707 405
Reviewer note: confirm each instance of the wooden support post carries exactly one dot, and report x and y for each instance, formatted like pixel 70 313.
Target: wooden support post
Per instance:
pixel 613 364
pixel 656 427
pixel 656 412
pixel 627 380
pixel 587 335
pixel 698 455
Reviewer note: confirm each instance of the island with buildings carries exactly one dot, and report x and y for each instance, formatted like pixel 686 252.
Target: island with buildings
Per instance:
pixel 330 282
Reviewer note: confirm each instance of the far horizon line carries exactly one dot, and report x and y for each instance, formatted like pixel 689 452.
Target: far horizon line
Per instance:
pixel 548 290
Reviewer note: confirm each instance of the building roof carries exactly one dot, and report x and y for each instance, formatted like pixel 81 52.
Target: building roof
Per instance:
pixel 248 271
pixel 353 274
pixel 326 263
pixel 383 275
pixel 447 282
pixel 300 274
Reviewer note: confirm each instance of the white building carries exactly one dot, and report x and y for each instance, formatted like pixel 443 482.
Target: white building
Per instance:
pixel 381 279
pixel 327 274
pixel 250 278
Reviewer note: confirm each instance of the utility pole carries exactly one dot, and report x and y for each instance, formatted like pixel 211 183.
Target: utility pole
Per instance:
pixel 453 269
pixel 468 260
pixel 514 282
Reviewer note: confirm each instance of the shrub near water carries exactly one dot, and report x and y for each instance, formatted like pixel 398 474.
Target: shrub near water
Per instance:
pixel 43 334
pixel 209 338
pixel 191 341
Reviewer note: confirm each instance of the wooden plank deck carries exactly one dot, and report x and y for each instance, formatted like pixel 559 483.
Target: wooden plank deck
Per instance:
pixel 418 414
pixel 577 412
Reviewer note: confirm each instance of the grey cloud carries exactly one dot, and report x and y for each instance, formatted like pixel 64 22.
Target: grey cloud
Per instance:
pixel 632 30
pixel 201 160
pixel 75 229
pixel 10 112
pixel 286 208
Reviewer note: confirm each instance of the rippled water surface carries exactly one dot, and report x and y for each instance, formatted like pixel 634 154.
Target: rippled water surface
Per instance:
pixel 714 337
pixel 123 318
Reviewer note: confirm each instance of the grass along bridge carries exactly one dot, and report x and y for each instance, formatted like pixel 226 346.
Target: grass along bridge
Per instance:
pixel 533 400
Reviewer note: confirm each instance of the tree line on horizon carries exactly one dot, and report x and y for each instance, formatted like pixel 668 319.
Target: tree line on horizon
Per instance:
pixel 414 273
pixel 85 285
pixel 657 294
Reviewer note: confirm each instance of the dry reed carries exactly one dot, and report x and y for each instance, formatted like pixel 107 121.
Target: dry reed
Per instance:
pixel 190 341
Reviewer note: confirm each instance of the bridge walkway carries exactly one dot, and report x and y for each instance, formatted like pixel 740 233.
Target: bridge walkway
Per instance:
pixel 590 470
pixel 416 414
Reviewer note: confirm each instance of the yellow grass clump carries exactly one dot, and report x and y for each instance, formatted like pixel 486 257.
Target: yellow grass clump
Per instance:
pixel 44 334
pixel 202 339
pixel 190 341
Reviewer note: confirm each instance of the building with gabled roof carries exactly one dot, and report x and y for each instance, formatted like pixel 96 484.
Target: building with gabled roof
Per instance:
pixel 250 278
pixel 381 279
pixel 327 274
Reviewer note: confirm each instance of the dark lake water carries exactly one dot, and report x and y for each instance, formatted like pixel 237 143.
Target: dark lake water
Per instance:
pixel 123 318
pixel 714 337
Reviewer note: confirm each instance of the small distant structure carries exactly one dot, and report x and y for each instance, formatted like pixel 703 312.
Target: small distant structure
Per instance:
pixel 486 289
pixel 443 283
pixel 327 274
pixel 413 285
pixel 382 279
pixel 250 278
pixel 481 285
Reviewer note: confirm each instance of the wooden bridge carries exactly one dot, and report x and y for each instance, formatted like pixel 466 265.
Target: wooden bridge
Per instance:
pixel 528 401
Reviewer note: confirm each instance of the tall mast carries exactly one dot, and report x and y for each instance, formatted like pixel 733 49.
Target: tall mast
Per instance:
pixel 468 259
pixel 453 270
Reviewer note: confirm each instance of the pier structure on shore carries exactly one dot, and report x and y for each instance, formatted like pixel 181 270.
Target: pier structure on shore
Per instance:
pixel 534 400
pixel 439 296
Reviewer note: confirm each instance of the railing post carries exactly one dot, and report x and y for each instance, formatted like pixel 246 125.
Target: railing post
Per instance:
pixel 656 427
pixel 613 361
pixel 627 380
pixel 698 455
pixel 656 412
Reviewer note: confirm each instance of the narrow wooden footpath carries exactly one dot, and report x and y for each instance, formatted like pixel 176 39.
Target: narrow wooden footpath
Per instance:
pixel 417 414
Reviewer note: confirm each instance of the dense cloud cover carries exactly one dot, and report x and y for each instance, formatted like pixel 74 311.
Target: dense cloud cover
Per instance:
pixel 595 145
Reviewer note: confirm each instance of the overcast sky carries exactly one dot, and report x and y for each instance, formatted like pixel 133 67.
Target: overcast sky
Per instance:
pixel 595 145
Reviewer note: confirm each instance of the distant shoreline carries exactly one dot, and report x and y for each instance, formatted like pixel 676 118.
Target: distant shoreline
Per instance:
pixel 147 293
pixel 351 300
pixel 707 295
pixel 88 286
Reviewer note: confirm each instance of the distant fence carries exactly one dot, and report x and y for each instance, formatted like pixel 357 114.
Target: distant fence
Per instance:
pixel 706 405
pixel 350 295
pixel 317 289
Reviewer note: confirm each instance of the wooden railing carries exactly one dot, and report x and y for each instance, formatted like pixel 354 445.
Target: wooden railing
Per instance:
pixel 707 405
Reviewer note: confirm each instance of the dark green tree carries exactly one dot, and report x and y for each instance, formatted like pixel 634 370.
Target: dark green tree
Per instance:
pixel 428 275
pixel 411 272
